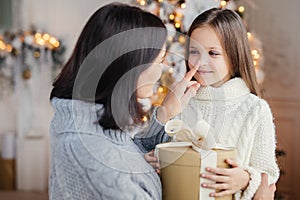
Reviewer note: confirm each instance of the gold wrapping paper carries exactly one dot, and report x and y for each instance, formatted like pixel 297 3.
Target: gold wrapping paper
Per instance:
pixel 180 171
pixel 7 174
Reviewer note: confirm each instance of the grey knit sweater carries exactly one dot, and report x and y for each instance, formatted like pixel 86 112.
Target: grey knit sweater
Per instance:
pixel 89 163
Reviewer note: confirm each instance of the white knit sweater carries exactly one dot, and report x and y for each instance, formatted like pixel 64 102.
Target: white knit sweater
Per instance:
pixel 242 120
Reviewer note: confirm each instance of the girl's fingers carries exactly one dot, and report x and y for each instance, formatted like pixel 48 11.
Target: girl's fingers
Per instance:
pixel 221 194
pixel 273 187
pixel 264 179
pixel 220 171
pixel 232 163
pixel 217 186
pixel 216 178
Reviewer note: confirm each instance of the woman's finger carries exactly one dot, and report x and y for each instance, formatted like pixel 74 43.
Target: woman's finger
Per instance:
pixel 190 93
pixel 181 86
pixel 149 157
pixel 155 165
pixel 151 153
pixel 189 75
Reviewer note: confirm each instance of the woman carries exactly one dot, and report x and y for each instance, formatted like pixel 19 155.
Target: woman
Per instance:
pixel 116 61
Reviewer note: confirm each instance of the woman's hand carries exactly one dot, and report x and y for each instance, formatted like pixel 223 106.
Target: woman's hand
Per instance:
pixel 178 97
pixel 228 181
pixel 152 160
pixel 265 191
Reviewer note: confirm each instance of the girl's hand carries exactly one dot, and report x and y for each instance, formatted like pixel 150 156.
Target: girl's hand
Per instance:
pixel 178 97
pixel 265 191
pixel 228 181
pixel 152 160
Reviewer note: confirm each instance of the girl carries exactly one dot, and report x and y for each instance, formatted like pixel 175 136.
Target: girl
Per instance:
pixel 228 100
pixel 115 62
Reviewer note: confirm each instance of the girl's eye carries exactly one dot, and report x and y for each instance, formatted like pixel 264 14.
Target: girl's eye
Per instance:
pixel 213 53
pixel 194 52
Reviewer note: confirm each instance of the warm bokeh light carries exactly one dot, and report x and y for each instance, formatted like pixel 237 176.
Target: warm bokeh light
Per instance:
pixel 223 4
pixel 171 16
pixel 177 25
pixel 241 9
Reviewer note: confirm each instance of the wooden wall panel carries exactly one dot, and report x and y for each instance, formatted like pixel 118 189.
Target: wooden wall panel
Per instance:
pixel 277 25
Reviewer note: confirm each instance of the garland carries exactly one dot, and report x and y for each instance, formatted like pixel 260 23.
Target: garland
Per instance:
pixel 18 45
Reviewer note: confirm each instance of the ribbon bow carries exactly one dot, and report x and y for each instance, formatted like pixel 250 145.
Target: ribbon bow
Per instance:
pixel 199 136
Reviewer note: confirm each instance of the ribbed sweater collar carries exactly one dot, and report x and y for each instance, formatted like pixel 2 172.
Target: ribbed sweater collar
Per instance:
pixel 232 89
pixel 81 117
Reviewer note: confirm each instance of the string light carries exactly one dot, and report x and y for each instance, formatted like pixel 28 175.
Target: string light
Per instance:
pixel 255 63
pixel 2 45
pixel 177 25
pixel 223 4
pixel 181 39
pixel 170 38
pixel 179 15
pixel 171 16
pixel 9 48
pixel 46 36
pixel 249 35
pixel 144 118
pixel 13 43
pixel 142 2
pixel 241 9
pixel 36 54
pixel 160 90
pixel 256 56
pixel 183 5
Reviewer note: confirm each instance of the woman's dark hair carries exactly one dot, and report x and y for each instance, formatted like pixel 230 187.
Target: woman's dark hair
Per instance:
pixel 233 36
pixel 117 41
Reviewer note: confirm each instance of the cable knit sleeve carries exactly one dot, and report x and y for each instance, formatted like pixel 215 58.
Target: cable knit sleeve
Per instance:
pixel 263 157
pixel 154 134
pixel 86 171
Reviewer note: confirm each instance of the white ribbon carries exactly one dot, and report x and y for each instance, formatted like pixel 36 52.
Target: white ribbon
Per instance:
pixel 201 135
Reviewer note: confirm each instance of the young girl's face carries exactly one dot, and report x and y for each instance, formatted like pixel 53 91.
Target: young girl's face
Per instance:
pixel 207 55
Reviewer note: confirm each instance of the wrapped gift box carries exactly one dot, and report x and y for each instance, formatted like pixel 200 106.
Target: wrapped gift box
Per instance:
pixel 180 172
